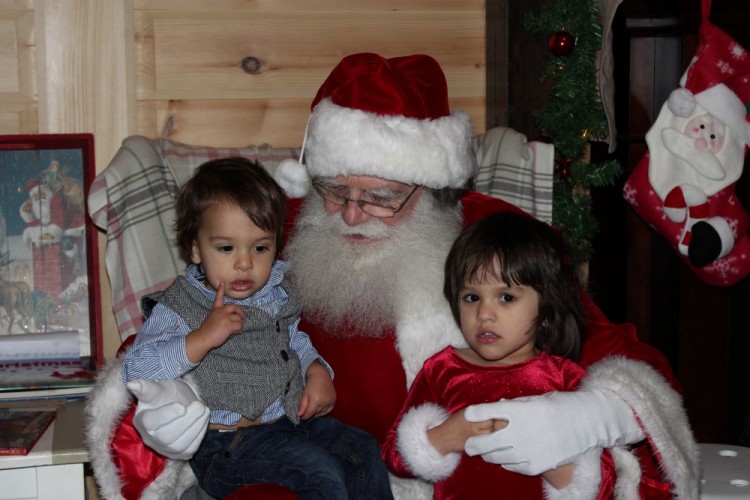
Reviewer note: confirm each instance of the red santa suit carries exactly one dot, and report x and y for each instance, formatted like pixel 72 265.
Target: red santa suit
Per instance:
pixel 448 383
pixel 396 113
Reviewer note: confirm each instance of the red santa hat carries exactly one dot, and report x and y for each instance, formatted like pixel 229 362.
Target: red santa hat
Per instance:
pixel 718 79
pixel 386 118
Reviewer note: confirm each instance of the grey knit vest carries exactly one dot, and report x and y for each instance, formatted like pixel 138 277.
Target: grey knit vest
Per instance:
pixel 251 369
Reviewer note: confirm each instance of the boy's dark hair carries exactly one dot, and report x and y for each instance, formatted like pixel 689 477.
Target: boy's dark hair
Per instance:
pixel 530 253
pixel 235 180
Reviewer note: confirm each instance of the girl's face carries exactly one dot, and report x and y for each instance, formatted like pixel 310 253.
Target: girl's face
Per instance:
pixel 234 250
pixel 497 321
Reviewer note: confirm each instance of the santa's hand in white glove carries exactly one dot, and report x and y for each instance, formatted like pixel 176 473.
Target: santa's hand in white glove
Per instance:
pixel 170 417
pixel 550 430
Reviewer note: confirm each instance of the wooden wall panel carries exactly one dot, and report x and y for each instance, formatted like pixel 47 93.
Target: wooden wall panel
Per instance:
pixel 18 91
pixel 191 85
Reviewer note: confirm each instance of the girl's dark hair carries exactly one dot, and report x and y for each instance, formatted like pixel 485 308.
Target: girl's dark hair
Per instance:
pixel 526 252
pixel 238 181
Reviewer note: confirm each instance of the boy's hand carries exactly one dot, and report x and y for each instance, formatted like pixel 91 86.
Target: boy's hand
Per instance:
pixel 319 395
pixel 221 323
pixel 451 435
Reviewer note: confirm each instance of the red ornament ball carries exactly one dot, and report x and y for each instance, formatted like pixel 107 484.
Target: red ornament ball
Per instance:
pixel 563 168
pixel 561 43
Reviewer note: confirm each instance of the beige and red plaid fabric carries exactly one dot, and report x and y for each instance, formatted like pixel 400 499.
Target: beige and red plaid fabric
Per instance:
pixel 132 200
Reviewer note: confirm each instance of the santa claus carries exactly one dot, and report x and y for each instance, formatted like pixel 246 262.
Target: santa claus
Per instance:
pixel 369 272
pixel 44 216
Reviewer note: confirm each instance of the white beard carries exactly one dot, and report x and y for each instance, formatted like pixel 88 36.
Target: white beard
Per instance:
pixel 40 207
pixel 359 289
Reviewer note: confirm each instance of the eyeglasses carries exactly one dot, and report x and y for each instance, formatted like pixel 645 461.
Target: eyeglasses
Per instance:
pixel 374 204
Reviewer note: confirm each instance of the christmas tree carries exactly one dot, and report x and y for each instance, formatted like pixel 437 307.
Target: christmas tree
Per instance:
pixel 573 116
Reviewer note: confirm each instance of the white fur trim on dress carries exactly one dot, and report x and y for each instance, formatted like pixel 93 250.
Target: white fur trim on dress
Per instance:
pixel 107 404
pixel 659 409
pixel 587 476
pixel 414 444
pixel 435 153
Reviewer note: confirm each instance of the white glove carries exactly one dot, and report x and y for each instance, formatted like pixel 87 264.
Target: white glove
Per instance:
pixel 170 417
pixel 550 430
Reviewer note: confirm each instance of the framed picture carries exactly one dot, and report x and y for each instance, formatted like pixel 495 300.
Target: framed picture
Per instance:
pixel 49 271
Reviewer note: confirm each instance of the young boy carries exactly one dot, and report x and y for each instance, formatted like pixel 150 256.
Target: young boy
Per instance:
pixel 231 323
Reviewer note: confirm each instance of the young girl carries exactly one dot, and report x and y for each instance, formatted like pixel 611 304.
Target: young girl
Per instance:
pixel 516 298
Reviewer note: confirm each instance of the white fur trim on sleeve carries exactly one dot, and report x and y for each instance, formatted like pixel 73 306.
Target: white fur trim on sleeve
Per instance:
pixel 107 403
pixel 659 409
pixel 587 476
pixel 105 407
pixel 419 454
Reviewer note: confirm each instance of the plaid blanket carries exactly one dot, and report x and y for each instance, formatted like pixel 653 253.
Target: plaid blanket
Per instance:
pixel 132 199
pixel 514 170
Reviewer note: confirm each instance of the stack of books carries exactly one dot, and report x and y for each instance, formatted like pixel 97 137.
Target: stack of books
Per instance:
pixel 44 365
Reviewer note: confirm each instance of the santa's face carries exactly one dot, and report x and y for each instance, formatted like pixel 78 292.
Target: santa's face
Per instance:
pixel 351 267
pixel 40 197
pixel 698 149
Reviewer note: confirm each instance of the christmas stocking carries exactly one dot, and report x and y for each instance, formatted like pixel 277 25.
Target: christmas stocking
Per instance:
pixel 684 186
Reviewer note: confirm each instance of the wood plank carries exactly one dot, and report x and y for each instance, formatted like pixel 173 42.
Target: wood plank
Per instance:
pixel 296 5
pixel 234 123
pixel 201 57
pixel 17 80
pixel 18 118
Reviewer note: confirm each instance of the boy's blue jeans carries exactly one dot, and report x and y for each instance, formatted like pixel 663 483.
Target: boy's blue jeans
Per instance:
pixel 320 458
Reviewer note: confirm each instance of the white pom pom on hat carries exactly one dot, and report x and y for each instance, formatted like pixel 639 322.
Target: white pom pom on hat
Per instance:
pixel 387 118
pixel 681 102
pixel 293 178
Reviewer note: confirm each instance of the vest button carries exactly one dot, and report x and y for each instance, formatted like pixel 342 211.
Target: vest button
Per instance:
pixel 278 327
pixel 288 385
pixel 284 355
pixel 227 454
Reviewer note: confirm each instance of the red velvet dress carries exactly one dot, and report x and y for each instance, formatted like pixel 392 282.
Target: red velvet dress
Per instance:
pixel 371 383
pixel 453 383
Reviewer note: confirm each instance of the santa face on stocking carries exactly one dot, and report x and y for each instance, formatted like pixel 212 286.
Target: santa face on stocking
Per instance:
pixel 693 150
pixel 693 156
pixel 684 186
